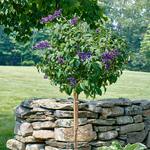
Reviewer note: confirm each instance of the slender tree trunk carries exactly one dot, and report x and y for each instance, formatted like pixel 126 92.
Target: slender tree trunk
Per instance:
pixel 57 4
pixel 75 95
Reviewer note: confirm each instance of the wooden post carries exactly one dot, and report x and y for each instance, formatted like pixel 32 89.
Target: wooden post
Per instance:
pixel 75 95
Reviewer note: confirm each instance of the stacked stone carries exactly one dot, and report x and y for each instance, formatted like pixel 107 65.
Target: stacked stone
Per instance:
pixel 47 124
pixel 121 120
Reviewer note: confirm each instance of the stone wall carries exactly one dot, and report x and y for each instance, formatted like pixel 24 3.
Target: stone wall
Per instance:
pixel 46 124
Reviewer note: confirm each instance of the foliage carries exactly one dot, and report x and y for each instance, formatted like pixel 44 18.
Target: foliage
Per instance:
pixel 145 48
pixel 13 52
pixel 79 58
pixel 130 19
pixel 28 63
pixel 23 16
pixel 137 62
pixel 117 146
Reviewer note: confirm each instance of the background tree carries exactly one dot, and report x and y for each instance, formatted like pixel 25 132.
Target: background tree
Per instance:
pixel 145 48
pixel 24 15
pixel 129 19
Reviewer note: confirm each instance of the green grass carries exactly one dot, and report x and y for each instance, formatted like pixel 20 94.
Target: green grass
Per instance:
pixel 19 83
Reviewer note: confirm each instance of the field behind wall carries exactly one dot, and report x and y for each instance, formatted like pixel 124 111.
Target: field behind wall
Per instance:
pixel 19 83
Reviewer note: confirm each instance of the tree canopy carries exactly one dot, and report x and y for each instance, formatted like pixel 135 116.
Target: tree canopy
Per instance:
pixel 24 15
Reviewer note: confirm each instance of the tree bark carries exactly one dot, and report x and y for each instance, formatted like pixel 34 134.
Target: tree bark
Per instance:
pixel 75 95
pixel 57 4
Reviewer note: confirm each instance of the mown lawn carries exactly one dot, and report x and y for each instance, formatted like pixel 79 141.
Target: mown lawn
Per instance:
pixel 19 83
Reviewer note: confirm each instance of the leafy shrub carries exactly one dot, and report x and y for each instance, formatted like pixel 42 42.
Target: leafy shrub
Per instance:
pixel 78 58
pixel 117 146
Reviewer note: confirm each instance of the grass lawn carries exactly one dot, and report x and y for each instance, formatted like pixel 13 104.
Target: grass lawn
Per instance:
pixel 19 83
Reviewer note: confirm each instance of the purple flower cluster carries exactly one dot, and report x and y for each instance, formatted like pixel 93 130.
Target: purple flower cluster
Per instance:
pixel 41 45
pixel 84 55
pixel 60 60
pixel 72 81
pixel 74 21
pixel 56 14
pixel 108 57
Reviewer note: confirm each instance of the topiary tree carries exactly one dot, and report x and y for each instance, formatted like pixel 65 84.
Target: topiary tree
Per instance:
pixel 80 59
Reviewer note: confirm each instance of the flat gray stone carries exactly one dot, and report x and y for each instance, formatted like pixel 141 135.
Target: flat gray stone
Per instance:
pixel 43 125
pixel 112 112
pixel 94 108
pixel 109 135
pixel 26 129
pixel 84 134
pixel 22 112
pixel 131 128
pixel 69 122
pixel 27 139
pixel 54 148
pixel 69 114
pixel 146 113
pixel 133 110
pixel 17 128
pixel 23 129
pixel 65 145
pixel 35 147
pixel 113 102
pixel 100 143
pixel 104 128
pixel 122 137
pixel 53 104
pixel 136 137
pixel 102 121
pixel 147 125
pixel 26 103
pixel 145 104
pixel 97 144
pixel 138 118
pixel 148 140
pixel 124 120
pixel 13 144
pixel 39 117
pixel 43 134
pixel 50 104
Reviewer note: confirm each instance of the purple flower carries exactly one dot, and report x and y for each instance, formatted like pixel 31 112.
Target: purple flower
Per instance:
pixel 72 81
pixel 84 55
pixel 60 60
pixel 44 20
pixel 74 21
pixel 42 45
pixel 50 17
pixel 56 14
pixel 108 57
